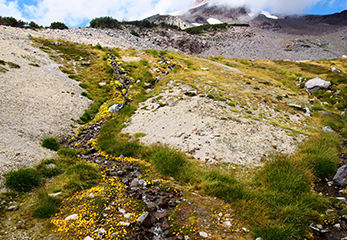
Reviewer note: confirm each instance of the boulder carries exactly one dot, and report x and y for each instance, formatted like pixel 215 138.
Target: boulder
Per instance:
pixel 340 178
pixel 316 84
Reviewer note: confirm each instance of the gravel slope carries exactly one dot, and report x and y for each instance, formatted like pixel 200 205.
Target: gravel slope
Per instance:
pixel 34 102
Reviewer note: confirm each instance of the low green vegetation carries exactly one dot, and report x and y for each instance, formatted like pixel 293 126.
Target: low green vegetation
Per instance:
pixel 22 180
pixel 51 143
pixel 274 201
pixel 211 28
pixel 58 25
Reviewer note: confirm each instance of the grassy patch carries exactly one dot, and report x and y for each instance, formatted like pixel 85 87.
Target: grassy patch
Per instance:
pixel 47 206
pixel 51 143
pixel 22 180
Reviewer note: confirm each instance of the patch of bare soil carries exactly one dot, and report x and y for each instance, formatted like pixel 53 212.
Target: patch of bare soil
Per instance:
pixel 208 130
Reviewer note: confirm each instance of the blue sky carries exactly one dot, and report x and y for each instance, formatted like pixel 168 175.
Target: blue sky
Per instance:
pixel 77 13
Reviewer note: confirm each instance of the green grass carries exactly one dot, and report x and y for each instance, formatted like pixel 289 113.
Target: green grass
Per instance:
pixel 47 206
pixel 22 180
pixel 51 143
pixel 321 152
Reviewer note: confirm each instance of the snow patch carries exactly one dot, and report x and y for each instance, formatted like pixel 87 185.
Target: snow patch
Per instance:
pixel 213 21
pixel 268 15
pixel 197 24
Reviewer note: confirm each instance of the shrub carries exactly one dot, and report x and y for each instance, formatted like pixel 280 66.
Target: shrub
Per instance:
pixel 68 152
pixel 105 22
pixel 58 25
pixel 334 121
pixel 223 185
pixel 84 172
pixel 48 171
pixel 321 152
pixel 47 206
pixel 50 143
pixel 170 162
pixel 22 180
pixel 133 32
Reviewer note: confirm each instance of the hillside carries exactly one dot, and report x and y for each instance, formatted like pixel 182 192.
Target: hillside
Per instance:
pixel 173 145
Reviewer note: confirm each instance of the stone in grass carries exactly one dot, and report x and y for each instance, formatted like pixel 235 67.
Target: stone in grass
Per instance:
pixel 315 84
pixel 116 108
pixel 203 234
pixel 88 238
pixel 13 208
pixel 328 129
pixel 72 217
pixel 55 194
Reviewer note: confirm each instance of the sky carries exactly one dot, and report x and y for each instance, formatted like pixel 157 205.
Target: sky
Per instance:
pixel 78 13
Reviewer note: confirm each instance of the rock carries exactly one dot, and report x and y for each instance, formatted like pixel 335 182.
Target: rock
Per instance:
pixel 148 90
pixel 145 220
pixel 315 84
pixel 13 208
pixel 340 178
pixel 328 129
pixel 57 43
pixel 205 69
pixel 142 182
pixel 51 165
pixel 343 199
pixel 88 238
pixel 55 194
pixel 116 108
pixel 203 234
pixel 156 106
pixel 72 217
pixel 101 232
pixel 337 225
pixel 307 112
pixel 134 182
pixel 127 224
pixel 29 35
pixel 295 106
pixel 335 70
pixel 102 84
pixel 171 103
pixel 227 224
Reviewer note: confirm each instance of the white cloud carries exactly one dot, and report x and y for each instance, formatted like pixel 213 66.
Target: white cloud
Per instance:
pixel 10 9
pixel 275 6
pixel 75 12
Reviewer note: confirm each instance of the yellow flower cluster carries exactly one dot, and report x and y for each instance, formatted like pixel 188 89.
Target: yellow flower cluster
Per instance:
pixel 92 206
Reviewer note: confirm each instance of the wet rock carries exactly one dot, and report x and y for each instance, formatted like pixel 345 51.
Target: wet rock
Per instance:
pixel 316 84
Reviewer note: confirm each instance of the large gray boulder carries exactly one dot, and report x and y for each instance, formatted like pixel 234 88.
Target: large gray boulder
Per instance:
pixel 315 84
pixel 340 178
